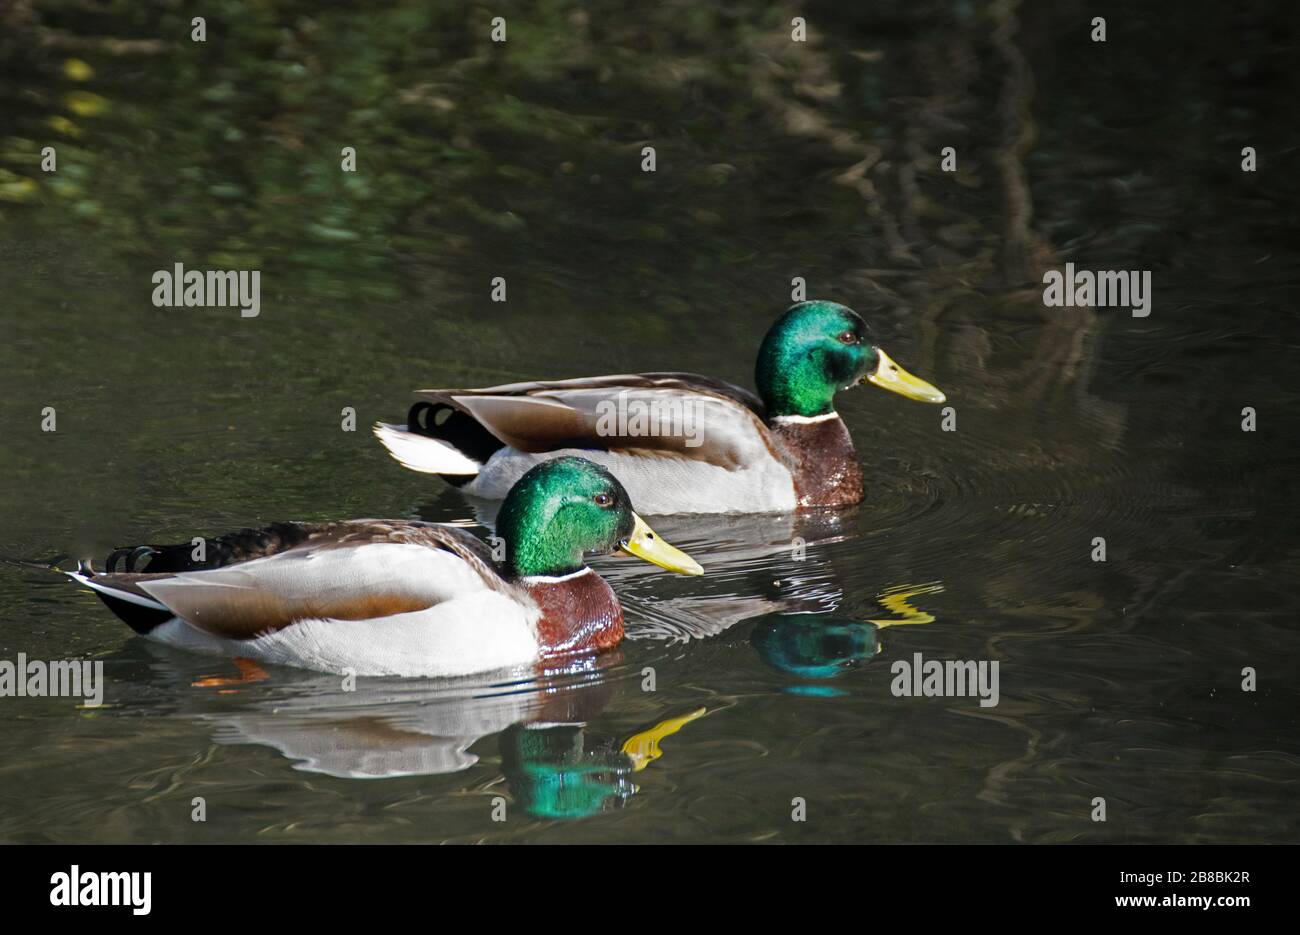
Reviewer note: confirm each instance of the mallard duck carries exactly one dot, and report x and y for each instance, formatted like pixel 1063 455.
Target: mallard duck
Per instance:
pixel 399 597
pixel 679 442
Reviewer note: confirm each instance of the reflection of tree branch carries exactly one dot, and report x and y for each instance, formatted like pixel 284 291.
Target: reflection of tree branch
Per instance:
pixel 1022 250
pixel 798 120
pixel 918 222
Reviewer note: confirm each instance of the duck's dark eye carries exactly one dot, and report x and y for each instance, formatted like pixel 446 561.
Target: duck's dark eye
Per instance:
pixel 849 337
pixel 603 499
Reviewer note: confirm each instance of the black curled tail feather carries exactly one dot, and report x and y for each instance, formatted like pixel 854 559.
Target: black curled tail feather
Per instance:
pixel 458 429
pixel 215 552
pixel 130 559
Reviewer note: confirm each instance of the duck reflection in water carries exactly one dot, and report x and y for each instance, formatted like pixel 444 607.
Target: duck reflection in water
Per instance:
pixel 819 647
pixel 561 771
pixel 813 647
pixel 556 764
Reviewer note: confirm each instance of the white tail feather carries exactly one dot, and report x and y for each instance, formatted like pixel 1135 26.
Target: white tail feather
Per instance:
pixel 423 453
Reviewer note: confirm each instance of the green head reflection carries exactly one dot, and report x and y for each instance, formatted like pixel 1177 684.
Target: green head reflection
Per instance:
pixel 554 773
pixel 814 646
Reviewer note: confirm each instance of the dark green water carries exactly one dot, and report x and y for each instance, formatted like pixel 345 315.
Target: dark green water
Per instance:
pixel 1120 680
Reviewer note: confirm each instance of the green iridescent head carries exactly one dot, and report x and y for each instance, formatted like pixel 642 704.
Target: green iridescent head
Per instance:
pixel 818 348
pixel 565 508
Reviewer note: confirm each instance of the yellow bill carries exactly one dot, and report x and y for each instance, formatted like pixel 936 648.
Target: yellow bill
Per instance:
pixel 889 376
pixel 645 544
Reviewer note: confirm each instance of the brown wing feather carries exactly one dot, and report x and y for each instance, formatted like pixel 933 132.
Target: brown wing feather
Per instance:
pixel 541 416
pixel 659 379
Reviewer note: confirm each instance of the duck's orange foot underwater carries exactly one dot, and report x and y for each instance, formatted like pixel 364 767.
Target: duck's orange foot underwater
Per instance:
pixel 249 671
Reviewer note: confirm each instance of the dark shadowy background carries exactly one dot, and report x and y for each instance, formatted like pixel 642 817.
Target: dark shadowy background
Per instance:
pixel 775 159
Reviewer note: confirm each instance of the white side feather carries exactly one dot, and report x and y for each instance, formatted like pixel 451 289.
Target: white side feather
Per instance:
pixel 469 627
pixel 658 485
